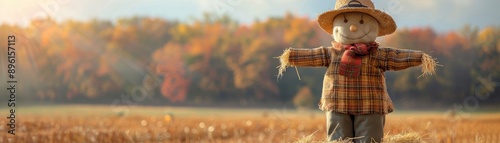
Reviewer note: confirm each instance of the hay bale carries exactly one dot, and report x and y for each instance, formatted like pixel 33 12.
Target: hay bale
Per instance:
pixel 409 137
pixel 310 139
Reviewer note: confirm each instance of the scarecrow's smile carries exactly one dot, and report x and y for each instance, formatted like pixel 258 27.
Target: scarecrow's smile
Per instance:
pixel 350 38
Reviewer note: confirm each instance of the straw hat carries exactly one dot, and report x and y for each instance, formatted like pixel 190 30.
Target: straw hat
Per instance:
pixel 386 23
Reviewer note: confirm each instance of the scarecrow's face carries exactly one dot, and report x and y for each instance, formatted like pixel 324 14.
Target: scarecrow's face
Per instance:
pixel 350 28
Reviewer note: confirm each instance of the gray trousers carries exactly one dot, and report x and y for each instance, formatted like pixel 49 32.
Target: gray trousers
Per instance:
pixel 370 127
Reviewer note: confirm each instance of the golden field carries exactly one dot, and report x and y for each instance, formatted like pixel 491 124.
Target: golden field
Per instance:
pixel 82 123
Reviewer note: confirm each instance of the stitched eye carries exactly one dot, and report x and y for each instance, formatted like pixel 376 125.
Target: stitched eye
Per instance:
pixel 345 19
pixel 361 21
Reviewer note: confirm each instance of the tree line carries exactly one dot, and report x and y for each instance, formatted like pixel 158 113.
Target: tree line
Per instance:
pixel 215 60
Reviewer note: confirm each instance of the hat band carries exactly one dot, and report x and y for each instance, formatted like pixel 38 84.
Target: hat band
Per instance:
pixel 353 5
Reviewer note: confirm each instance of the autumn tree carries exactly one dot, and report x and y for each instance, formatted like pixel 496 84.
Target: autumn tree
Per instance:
pixel 217 60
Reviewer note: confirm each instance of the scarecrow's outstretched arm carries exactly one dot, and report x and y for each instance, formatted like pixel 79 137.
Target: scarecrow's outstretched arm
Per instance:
pixel 317 57
pixel 399 59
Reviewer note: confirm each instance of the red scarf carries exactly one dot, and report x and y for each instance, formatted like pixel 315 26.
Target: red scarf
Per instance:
pixel 350 63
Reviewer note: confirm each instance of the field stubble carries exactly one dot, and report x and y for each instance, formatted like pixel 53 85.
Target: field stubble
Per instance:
pixel 234 126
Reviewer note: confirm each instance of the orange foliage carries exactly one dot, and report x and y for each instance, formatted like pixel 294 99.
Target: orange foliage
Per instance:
pixel 216 58
pixel 170 64
pixel 450 41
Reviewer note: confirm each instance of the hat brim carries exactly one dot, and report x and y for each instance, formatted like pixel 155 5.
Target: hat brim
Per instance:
pixel 385 21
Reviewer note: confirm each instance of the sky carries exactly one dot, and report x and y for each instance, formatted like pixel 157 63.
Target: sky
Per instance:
pixel 442 15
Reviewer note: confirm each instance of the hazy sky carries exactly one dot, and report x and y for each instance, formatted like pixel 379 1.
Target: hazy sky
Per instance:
pixel 442 15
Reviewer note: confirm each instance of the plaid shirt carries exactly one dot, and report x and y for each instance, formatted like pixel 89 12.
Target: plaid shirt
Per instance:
pixel 365 94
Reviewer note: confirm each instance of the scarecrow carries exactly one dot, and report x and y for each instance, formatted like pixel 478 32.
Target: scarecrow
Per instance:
pixel 354 95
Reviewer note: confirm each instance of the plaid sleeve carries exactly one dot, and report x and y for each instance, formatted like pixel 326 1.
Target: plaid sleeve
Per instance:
pixel 398 59
pixel 310 57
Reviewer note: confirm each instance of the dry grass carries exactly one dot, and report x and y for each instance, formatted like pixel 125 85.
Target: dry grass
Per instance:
pixel 410 137
pixel 251 126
